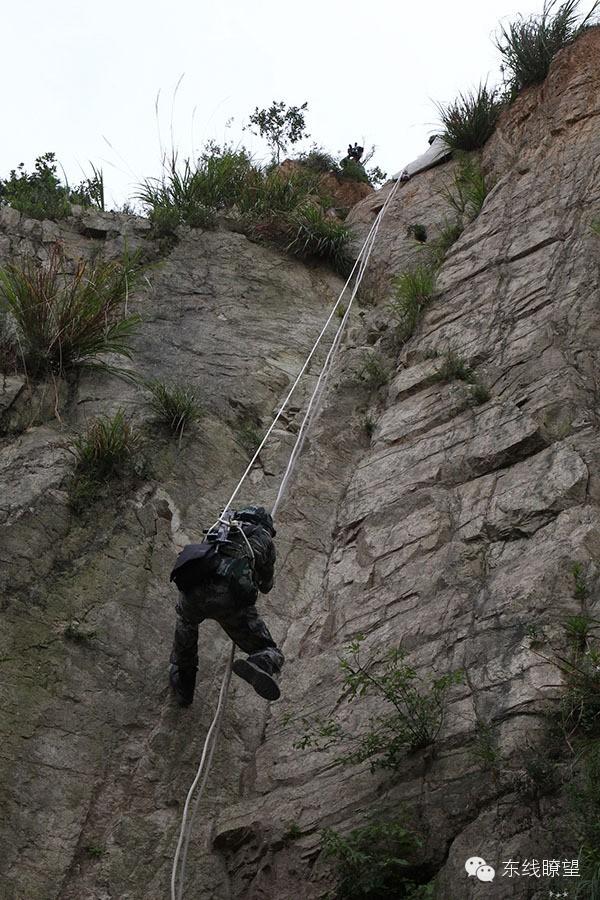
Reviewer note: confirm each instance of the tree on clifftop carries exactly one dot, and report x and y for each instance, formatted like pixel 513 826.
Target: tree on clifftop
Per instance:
pixel 280 125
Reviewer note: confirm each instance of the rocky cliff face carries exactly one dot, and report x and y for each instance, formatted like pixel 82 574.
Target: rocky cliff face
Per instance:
pixel 453 531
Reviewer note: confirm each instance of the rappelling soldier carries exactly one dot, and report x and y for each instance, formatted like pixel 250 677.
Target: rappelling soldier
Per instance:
pixel 355 152
pixel 220 579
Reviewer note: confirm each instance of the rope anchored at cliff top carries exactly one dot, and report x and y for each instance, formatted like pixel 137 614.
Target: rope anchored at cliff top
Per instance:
pixel 312 409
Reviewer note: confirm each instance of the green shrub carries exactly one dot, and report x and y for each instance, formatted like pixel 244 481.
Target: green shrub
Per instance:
pixel 479 394
pixel 412 720
pixel 374 862
pixel 454 368
pixel 418 232
pixel 528 45
pixel 276 193
pixel 413 291
pixel 353 171
pixel 373 372
pixel 280 125
pixel 438 247
pixel 595 226
pixel 468 190
pixel 578 573
pixel 470 120
pixel 63 320
pixel 41 195
pixel 106 448
pixel 319 160
pixel 319 237
pixel 176 407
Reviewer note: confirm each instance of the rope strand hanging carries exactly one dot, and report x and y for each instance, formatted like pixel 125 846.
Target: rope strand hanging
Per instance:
pixel 201 778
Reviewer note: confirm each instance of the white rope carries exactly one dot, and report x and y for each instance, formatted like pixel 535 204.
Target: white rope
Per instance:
pixel 314 403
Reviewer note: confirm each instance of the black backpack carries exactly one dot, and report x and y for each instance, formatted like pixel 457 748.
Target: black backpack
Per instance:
pixel 198 563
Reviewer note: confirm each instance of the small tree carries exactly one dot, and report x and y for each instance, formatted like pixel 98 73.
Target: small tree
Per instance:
pixel 280 125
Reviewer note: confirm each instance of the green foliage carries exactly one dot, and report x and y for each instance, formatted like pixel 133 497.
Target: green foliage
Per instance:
pixel 369 425
pixel 577 630
pixel 293 832
pixel 319 236
pixel 479 394
pixel 418 232
pixel 175 407
pixel 249 436
pixel 413 716
pixel 413 291
pixel 529 45
pixel 352 170
pixel 106 448
pixel 63 320
pixel 580 704
pixel 468 190
pixel 191 195
pixel 41 195
pixel 374 862
pixel 319 160
pixel 437 248
pixel 454 368
pixel 585 804
pixel 373 372
pixel 485 749
pixel 280 125
pixel 595 226
pixel 471 119
pixel 95 851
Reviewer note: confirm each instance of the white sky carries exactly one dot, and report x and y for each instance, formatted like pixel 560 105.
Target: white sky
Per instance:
pixel 73 73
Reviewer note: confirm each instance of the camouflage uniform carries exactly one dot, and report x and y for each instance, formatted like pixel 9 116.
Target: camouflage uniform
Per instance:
pixel 229 598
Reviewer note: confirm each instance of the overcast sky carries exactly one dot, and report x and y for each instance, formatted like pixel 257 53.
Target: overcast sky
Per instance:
pixel 76 75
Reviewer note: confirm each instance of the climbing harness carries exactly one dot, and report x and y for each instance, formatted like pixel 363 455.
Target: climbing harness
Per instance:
pixel 314 404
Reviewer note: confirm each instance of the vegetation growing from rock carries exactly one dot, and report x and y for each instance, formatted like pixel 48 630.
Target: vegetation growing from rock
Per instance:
pixel 470 120
pixel 107 450
pixel 319 236
pixel 64 319
pixel 413 291
pixel 373 371
pixel 375 862
pixel 41 195
pixel 174 406
pixel 413 716
pixel 528 45
pixel 468 190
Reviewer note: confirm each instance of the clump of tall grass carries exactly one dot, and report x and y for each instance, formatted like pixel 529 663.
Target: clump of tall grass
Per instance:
pixel 64 319
pixel 318 160
pixel 528 45
pixel 413 291
pixel 176 406
pixel 437 248
pixel 468 190
pixel 320 237
pixel 107 445
pixel 470 119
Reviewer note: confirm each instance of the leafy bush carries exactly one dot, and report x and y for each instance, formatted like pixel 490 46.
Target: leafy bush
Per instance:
pixel 318 160
pixel 175 407
pixel 319 237
pixel 418 232
pixel 63 319
pixel 414 289
pixel 353 171
pixel 374 862
pixel 529 45
pixel 414 719
pixel 468 190
pixel 479 393
pixel 470 120
pixel 41 195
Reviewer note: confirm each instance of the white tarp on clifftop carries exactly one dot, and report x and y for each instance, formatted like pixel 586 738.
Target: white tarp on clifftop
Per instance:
pixel 437 152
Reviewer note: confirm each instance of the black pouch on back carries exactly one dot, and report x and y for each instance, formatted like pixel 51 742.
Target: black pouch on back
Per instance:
pixel 195 564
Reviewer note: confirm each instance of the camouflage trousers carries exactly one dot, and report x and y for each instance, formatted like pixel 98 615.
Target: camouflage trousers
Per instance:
pixel 242 623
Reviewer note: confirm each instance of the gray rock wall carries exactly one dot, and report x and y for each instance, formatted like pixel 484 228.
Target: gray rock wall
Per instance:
pixel 453 530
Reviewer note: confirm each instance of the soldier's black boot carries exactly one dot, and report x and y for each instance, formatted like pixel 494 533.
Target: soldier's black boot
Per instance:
pixel 183 682
pixel 263 683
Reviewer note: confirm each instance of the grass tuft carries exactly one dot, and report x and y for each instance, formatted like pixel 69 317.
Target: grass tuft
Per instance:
pixel 470 120
pixel 176 406
pixel 320 237
pixel 63 320
pixel 469 188
pixel 106 447
pixel 528 45
pixel 414 289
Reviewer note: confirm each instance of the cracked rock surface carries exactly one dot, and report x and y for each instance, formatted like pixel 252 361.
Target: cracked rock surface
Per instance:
pixel 452 530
